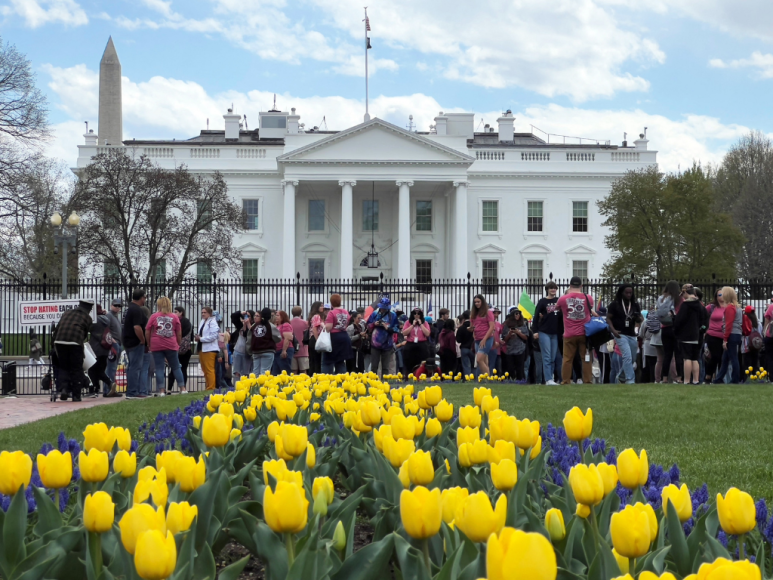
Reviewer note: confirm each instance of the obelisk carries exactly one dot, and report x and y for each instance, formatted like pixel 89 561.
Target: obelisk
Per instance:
pixel 110 129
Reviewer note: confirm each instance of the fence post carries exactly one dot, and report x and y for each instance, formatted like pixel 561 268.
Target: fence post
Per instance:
pixel 214 290
pixel 298 288
pixel 469 291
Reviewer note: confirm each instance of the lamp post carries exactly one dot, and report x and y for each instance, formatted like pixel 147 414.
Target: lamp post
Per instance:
pixel 63 239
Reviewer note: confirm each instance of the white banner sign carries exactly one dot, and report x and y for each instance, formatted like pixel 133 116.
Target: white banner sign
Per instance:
pixel 36 313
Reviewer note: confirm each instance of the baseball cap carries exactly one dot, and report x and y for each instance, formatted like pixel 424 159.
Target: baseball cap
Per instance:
pixel 117 302
pixel 496 309
pixel 575 281
pixel 327 306
pixel 749 309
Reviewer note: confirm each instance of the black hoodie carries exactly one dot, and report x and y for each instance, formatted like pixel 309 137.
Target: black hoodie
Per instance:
pixel 262 339
pixel 688 321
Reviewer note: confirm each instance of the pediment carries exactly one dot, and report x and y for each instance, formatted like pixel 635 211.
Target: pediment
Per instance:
pixel 376 141
pixel 580 249
pixel 535 249
pixel 490 248
pixel 251 247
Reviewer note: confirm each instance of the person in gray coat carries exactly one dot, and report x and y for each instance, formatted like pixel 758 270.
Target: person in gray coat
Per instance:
pixel 101 342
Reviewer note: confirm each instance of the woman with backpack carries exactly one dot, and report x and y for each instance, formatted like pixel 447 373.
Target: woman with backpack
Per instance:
pixel 447 344
pixel 668 306
pixel 731 337
pixel 687 325
pixel 242 353
pixel 184 353
pixel 751 343
pixel 101 343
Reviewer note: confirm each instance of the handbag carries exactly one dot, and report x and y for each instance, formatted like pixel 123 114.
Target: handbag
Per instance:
pixel 89 359
pixel 596 324
pixel 324 344
pixel 275 333
pixel 306 336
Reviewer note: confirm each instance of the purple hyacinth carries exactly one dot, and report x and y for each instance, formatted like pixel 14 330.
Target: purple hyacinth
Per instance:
pixel 762 514
pixel 722 537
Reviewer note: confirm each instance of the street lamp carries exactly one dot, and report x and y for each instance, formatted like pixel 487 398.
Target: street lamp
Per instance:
pixel 64 239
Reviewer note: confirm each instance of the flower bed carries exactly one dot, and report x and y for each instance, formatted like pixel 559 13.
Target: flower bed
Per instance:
pixel 451 493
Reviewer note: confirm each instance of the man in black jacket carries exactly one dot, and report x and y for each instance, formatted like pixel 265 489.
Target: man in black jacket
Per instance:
pixel 465 339
pixel 71 332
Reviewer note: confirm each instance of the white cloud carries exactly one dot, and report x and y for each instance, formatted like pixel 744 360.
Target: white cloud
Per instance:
pixel 761 63
pixel 163 108
pixel 36 13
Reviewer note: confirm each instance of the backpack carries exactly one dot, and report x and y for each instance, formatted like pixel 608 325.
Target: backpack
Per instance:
pixel 653 323
pixel 755 340
pixel 107 339
pixel 746 326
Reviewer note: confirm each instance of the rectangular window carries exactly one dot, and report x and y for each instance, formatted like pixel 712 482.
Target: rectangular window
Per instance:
pixel 580 268
pixel 423 271
pixel 316 215
pixel 250 270
pixel 580 216
pixel 273 121
pixel 370 215
pixel 250 209
pixel 160 271
pixel 490 272
pixel 111 271
pixel 205 214
pixel 203 272
pixel 316 273
pixel 423 216
pixel 490 214
pixel 534 270
pixel 534 216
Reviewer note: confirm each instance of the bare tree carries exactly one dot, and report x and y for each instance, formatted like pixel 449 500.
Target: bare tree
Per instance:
pixel 144 224
pixel 744 189
pixel 23 114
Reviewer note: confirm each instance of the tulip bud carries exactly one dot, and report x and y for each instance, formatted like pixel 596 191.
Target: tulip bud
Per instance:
pixel 420 468
pixel 98 512
pixel 421 512
pixel 680 499
pixel 55 469
pixel 323 493
pixel 311 456
pixel 156 556
pixel 339 537
pixel 94 466
pixel 197 422
pixel 179 516
pixel 504 474
pixel 578 427
pixel 125 464
pixel 633 470
pixel 554 522
pixel 582 511
pixel 737 514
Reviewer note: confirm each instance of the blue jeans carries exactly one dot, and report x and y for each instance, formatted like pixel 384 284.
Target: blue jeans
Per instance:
pixel 145 386
pixel 174 367
pixel 283 364
pixel 112 366
pixel 627 345
pixel 135 356
pixel 493 357
pixel 262 363
pixel 329 368
pixel 551 356
pixel 730 357
pixel 468 361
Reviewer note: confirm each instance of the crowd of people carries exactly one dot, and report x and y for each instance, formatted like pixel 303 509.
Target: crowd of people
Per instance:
pixel 678 339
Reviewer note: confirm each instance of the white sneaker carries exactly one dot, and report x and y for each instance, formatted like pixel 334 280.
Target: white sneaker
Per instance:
pixel 161 394
pixel 551 383
pixel 579 382
pixel 183 392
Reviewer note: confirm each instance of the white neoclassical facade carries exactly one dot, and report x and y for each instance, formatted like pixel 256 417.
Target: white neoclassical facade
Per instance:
pixel 436 204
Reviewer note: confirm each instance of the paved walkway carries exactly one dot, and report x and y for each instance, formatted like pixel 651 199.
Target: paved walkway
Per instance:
pixel 19 410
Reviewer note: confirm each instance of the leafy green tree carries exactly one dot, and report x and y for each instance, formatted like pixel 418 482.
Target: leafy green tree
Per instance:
pixel 667 227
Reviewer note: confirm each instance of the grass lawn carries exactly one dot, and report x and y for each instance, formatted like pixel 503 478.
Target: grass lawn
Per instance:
pixel 719 435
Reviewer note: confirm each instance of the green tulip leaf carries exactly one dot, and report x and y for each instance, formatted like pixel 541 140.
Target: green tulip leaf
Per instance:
pixel 271 550
pixel 452 567
pixel 232 571
pixel 310 564
pixel 204 498
pixel 49 517
pixel 564 574
pixel 14 529
pixel 342 512
pixel 411 560
pixel 574 530
pixel 369 562
pixel 712 521
pixel 610 505
pixel 475 569
pixel 697 536
pixel 714 550
pixel 204 564
pixel 680 553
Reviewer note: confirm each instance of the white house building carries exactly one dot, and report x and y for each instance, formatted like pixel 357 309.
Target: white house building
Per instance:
pixel 436 204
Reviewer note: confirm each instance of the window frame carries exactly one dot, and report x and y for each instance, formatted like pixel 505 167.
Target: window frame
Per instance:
pixel 415 225
pixel 377 215
pixel 257 269
pixel 481 202
pixel 198 274
pixel 587 269
pixel 259 224
pixel 533 279
pixel 587 218
pixel 325 222
pixel 489 285
pixel 541 231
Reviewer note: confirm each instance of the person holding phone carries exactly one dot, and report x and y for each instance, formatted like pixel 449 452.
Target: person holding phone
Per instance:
pixel 416 332
pixel 483 329
pixel 383 325
pixel 242 362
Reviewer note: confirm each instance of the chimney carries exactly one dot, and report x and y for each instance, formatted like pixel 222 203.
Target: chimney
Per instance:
pixel 231 125
pixel 641 142
pixel 91 138
pixel 110 126
pixel 292 122
pixel 506 127
pixel 441 124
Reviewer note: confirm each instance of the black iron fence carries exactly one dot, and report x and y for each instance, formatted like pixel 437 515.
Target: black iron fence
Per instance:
pixel 229 295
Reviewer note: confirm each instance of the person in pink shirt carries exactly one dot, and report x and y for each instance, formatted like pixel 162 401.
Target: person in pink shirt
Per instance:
pixel 715 335
pixel 416 332
pixel 576 308
pixel 494 357
pixel 163 333
pixel 300 362
pixel 317 315
pixel 767 336
pixel 285 349
pixel 337 320
pixel 483 329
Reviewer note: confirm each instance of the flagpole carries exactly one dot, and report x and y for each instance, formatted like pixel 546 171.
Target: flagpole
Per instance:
pixel 367 115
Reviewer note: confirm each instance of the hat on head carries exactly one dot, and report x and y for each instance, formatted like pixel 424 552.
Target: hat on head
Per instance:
pixel 384 302
pixel 496 309
pixel 575 281
pixel 327 306
pixel 749 309
pixel 218 316
pixel 512 309
pixel 86 303
pixel 117 302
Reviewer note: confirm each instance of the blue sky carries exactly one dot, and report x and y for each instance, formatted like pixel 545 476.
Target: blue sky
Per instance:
pixel 697 73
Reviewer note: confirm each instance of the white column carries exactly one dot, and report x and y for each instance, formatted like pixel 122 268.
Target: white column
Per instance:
pixel 404 230
pixel 460 230
pixel 288 230
pixel 347 225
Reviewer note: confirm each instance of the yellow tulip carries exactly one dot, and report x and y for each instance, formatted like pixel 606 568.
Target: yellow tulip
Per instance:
pixel 275 467
pixel 98 436
pixel 478 393
pixel 216 430
pixel 526 433
pixel 156 556
pixel 502 450
pixel 138 519
pixel 370 413
pixel 359 425
pixel 190 474
pixel 529 553
pixel 235 435
pixel 238 421
pixel 608 476
pixel 630 531
pixel 98 512
pixel 721 569
pixel 489 403
pixel 125 464
pixel 168 461
pixel 286 510
pixel 587 484
pixel 433 395
pixel 420 468
pixel 402 475
pixel 295 438
pixel 379 434
pixel 397 452
pixel 94 466
pixel 633 470
pixel 450 499
pixel 477 519
pixel 554 522
pixel 467 435
pixel 473 453
pixel 582 511
pixel 55 469
pixel 622 563
pixel 647 575
pixel 469 416
pixel 272 430
pixel 149 473
pixel 323 486
pixel 444 411
pixel 421 512
pixel 314 417
pixel 402 428
pixel 680 499
pixel 156 489
pixel 578 427
pixel 179 516
pixel 433 428
pixel 736 512
pixel 504 474
pixel 536 449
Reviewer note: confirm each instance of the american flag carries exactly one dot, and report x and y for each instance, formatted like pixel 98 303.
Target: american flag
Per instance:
pixel 367 23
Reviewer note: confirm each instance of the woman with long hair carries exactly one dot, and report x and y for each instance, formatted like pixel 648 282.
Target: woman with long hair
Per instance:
pixel 751 355
pixel 163 335
pixel 208 348
pixel 334 362
pixel 687 325
pixel 285 351
pixel 731 340
pixel 357 331
pixel 447 343
pixel 262 342
pixel 515 335
pixel 715 335
pixel 315 326
pixel 483 328
pixel 623 314
pixel 668 306
pixel 416 331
